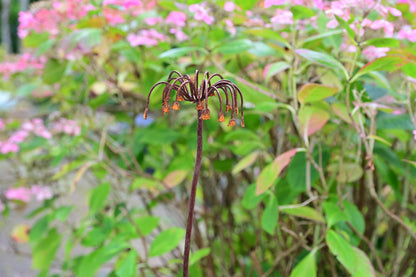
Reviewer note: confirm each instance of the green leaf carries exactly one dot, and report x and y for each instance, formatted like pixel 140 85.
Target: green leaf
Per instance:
pixel 354 216
pixel 383 42
pixel 39 229
pixel 353 259
pixel 146 224
pixel 35 39
pixel 95 236
pixel 275 68
pixel 364 267
pixel 199 254
pixel 181 51
pixel 245 162
pixel 346 27
pixel 128 267
pixel 261 49
pixel 268 34
pixel 53 71
pixel 175 177
pixel 387 63
pixel 322 59
pixel 90 264
pixel 43 253
pixel 246 4
pixel 26 89
pixel 234 47
pixel 315 92
pixel 333 213
pixel 99 196
pixel 250 199
pixel 270 173
pixel 145 183
pixel 305 212
pixel 306 267
pixel 62 213
pixel 392 121
pixel 45 47
pixel 166 241
pixel 267 107
pixel 87 37
pixel 409 69
pixel 312 118
pixel 301 12
pixel 343 251
pixel 270 215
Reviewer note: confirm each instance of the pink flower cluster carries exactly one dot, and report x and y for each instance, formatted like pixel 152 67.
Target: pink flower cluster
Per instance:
pixel 176 18
pixel 25 61
pixel 24 194
pixel 414 134
pixel 37 127
pixel 67 126
pixel 282 17
pixel 201 13
pixel 372 52
pixel 311 3
pixel 407 33
pixel 146 37
pixel 42 21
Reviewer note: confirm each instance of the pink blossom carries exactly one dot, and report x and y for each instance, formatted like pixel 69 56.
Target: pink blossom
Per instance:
pixel 135 40
pixel 41 192
pixel 282 17
pixel 146 37
pixel 113 16
pixel 414 134
pixel 332 24
pixel 407 33
pixel 179 34
pixel 20 193
pixel 152 20
pixel 231 27
pixel 9 147
pixel 319 4
pixel 387 26
pixel 201 13
pixel 394 11
pixel 18 136
pixel 373 52
pixel 229 6
pixel 2 124
pixel 176 18
pixel 67 126
pixel 269 3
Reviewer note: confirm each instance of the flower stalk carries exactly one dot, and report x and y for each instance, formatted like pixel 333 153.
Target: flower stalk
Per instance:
pixel 189 90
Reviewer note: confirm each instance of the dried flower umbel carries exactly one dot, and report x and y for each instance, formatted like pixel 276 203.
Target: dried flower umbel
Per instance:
pixel 179 88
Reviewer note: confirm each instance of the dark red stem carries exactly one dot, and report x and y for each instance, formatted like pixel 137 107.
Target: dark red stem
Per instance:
pixel 192 196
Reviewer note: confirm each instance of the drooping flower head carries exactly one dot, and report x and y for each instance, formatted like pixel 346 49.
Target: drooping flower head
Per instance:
pixel 184 88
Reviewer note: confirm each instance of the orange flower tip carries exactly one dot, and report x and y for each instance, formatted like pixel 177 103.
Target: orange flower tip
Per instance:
pixel 165 109
pixel 145 114
pixel 221 118
pixel 175 106
pixel 231 123
pixel 199 106
pixel 236 110
pixel 205 114
pixel 211 94
pixel 227 107
pixel 180 98
pixel 242 123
